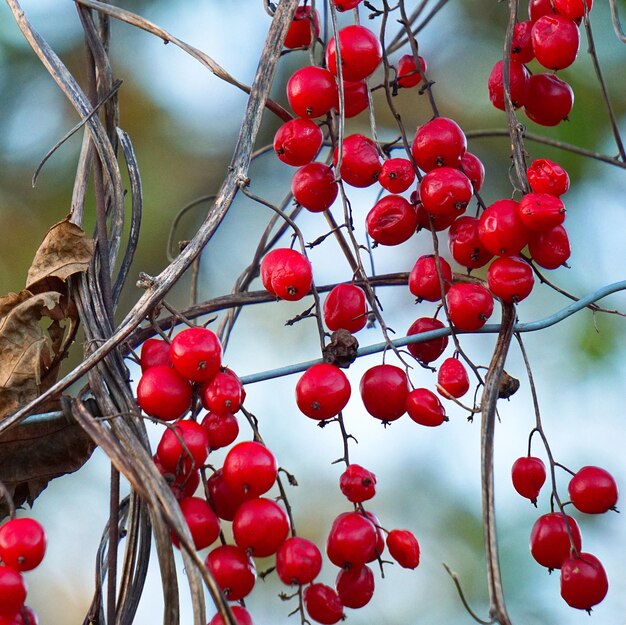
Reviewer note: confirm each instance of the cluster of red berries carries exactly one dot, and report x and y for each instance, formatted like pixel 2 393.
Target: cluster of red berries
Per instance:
pixel 22 548
pixel 551 36
pixel 555 538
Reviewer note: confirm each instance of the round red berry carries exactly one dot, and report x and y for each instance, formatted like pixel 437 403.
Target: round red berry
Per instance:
pixel 573 9
pixel 233 571
pixel 357 483
pixel 164 393
pixel 469 305
pixel 303 28
pixel 429 278
pixel 550 541
pixel 408 74
pixel 314 187
pixel 221 428
pixel 361 53
pixel 355 97
pixel 396 175
pixel 465 244
pixel 322 391
pixel 549 249
pixel 355 586
pixel 352 540
pixel 22 543
pixel 250 469
pixel 384 389
pixel 541 211
pixel 155 352
pixel 260 527
pixel 298 141
pixel 242 616
pixel 345 307
pixel 287 274
pixel 555 41
pixel 445 191
pixel 522 44
pixel 510 278
pixel 312 92
pixel 391 221
pixel 528 475
pixel 427 351
pixel 452 378
pixel 203 523
pixel 196 354
pixel 183 447
pixel 360 161
pixel 584 582
pixel 519 82
pixel 298 561
pixel 593 490
pixel 550 100
pixel 474 169
pixel 12 591
pixel 323 604
pixel 404 548
pixel 424 407
pixel 438 143
pixel 545 176
pixel 501 230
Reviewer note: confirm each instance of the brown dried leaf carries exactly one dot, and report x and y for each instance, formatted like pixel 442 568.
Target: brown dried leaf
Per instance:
pixel 23 345
pixel 64 251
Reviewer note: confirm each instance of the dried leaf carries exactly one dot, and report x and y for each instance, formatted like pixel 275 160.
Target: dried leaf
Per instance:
pixel 24 347
pixel 64 251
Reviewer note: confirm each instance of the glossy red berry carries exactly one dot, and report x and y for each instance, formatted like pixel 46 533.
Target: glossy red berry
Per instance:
pixel 510 278
pixel 452 378
pixel 314 187
pixel 303 28
pixel 233 571
pixel 351 540
pixel 224 499
pixel 221 428
pixel 287 274
pixel 584 582
pixel 391 221
pixel 541 211
pixel 445 191
pixel 465 245
pixel 539 8
pixel 384 389
pixel 181 484
pixel 408 74
pixel 519 78
pixel 404 548
pixel 522 44
pixel 469 305
pixel 396 175
pixel 223 393
pixel 592 490
pixel 164 393
pixel 361 53
pixel 196 354
pixel 474 169
pixel 550 541
pixel 355 97
pixel 298 561
pixel 549 100
pixel 424 407
pixel 427 351
pixel 555 41
pixel 427 221
pixel 501 230
pixel 545 176
pixel 12 591
pixel 360 161
pixel 242 617
pixel 425 282
pixel 203 523
pixel 260 527
pixel 355 586
pixel 528 475
pixel 550 249
pixel 345 307
pixel 22 543
pixel 155 352
pixel 322 604
pixel 183 447
pixel 322 391
pixel 573 9
pixel 250 469
pixel 298 141
pixel 312 92
pixel 357 483
pixel 438 143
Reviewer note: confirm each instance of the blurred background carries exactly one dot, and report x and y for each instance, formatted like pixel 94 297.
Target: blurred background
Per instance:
pixel 183 123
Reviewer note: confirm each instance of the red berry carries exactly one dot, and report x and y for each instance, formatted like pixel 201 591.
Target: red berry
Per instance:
pixel 181 484
pixel 540 211
pixel 222 429
pixel 545 176
pixel 539 8
pixel 361 53
pixel 452 378
pixel 202 521
pixel 260 527
pixel 163 393
pixel 242 616
pixel 519 78
pixel 384 389
pixel 233 571
pixel 529 475
pixel 550 249
pixel 408 74
pixel 22 543
pixel 298 141
pixel 12 591
pixel 322 391
pixel 351 540
pixel 357 483
pixel 396 175
pixel 224 499
pixel 355 586
pixel 250 469
pixel 427 221
pixel 287 274
pixel 474 169
pixel 549 101
pixel 469 305
pixel 314 187
pixel 555 41
pixel 345 307
pixel 445 191
pixel 183 447
pixel 223 393
pixel 323 604
pixel 155 352
pixel 404 548
pixel 304 26
pixel 196 354
pixel 391 221
pixel 360 162
pixel 298 561
pixel 427 351
pixel 573 9
pixel 424 280
pixel 584 582
pixel 510 278
pixel 312 92
pixel 549 539
pixel 592 490
pixel 501 230
pixel 522 45
pixel 438 143
pixel 465 245
pixel 355 97
pixel 424 407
